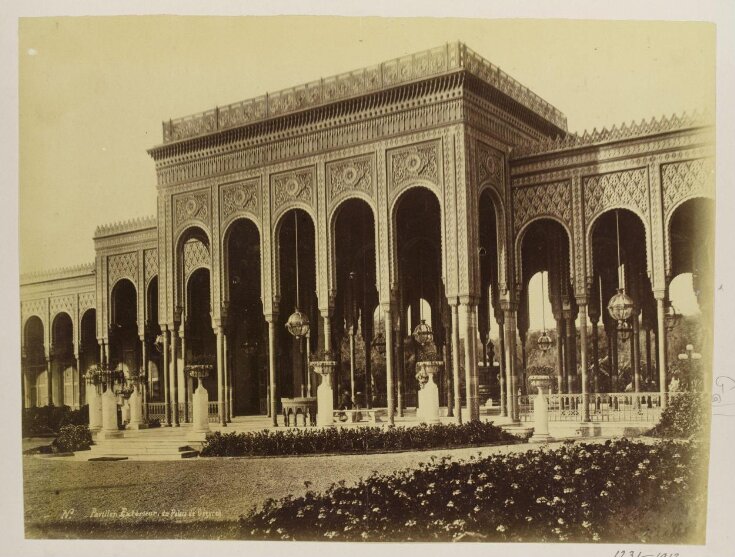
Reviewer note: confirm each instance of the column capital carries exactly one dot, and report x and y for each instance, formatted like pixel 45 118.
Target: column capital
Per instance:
pixel 271 317
pixel 469 300
pixel 582 300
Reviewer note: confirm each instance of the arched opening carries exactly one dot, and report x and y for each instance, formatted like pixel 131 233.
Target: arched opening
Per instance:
pixel 419 276
pixel 292 378
pixel 64 378
pixel 200 340
pixel 153 349
pixel 247 339
pixel 691 236
pixel 619 261
pixel 489 313
pixel 545 252
pixel 89 353
pixel 357 298
pixel 124 327
pixel 34 363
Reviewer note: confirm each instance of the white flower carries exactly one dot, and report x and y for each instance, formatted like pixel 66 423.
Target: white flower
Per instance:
pixel 514 485
pixel 450 504
pixel 586 524
pixel 603 493
pixel 557 477
pixel 456 492
pixel 560 520
pixel 578 471
pixel 596 536
pixel 501 528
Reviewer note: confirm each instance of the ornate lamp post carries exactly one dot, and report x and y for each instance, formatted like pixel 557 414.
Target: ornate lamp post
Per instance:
pixel 690 355
pixel 199 369
pixel 544 340
pixel 298 323
pixel 94 380
pixel 621 305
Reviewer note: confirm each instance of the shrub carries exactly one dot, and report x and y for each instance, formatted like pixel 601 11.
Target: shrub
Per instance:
pixel 73 438
pixel 685 416
pixel 579 492
pixel 48 420
pixel 353 440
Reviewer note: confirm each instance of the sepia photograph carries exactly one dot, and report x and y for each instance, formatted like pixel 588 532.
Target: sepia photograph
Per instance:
pixel 368 279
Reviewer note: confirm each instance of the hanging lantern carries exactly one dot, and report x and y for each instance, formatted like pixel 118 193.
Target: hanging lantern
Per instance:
pixel 298 324
pixel 423 333
pixel 379 342
pixel 544 342
pixel 625 330
pixel 671 318
pixel 621 306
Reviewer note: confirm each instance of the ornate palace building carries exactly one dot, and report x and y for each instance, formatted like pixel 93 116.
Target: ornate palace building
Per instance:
pixel 427 188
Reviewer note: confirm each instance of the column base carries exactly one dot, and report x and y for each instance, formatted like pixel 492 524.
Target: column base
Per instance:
pixel 541 438
pixel 103 435
pixel 197 436
pixel 137 426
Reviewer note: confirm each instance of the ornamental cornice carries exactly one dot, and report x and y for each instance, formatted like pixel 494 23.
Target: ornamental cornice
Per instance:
pixel 596 154
pixel 57 274
pixel 122 227
pixel 223 160
pixel 601 167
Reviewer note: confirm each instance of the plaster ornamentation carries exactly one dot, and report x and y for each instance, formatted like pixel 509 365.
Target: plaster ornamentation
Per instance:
pixel 686 179
pixel 416 162
pixel 196 256
pixel 150 263
pixel 628 188
pixel 489 165
pixel 354 175
pixel 63 304
pixel 86 302
pixel 297 185
pixel 242 197
pixel 192 207
pixel 123 265
pixel 553 199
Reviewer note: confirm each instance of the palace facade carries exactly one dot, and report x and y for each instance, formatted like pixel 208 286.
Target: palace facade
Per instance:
pixel 429 188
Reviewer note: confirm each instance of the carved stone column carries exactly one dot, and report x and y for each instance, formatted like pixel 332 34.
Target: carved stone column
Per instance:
pixel 174 378
pixel 582 303
pixel 166 375
pixel 221 405
pixel 501 371
pixel 595 355
pixel 271 319
pixel 455 362
pixel 510 350
pixel 470 363
pixel 389 363
pixel 661 304
pixel 636 352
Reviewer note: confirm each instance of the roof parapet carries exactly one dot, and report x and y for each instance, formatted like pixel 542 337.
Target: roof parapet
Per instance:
pixel 58 273
pixel 121 227
pixel 421 65
pixel 616 133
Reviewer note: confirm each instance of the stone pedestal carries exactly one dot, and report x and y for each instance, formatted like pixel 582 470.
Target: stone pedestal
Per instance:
pixel 125 411
pixel 200 416
pixel 135 406
pixel 109 416
pixel 95 408
pixel 540 419
pixel 428 409
pixel 324 395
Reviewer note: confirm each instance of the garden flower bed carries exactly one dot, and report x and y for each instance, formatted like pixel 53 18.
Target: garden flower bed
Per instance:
pixel 354 440
pixel 616 491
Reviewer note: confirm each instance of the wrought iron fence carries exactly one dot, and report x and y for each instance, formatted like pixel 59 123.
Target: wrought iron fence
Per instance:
pixel 603 407
pixel 213 411
pixel 157 411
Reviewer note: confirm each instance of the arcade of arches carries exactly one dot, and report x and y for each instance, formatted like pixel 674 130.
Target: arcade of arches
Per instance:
pixel 371 223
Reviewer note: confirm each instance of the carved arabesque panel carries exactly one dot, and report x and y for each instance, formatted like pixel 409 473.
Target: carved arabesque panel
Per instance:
pixel 553 199
pixel 489 165
pixel 415 162
pixel 192 206
pixel 239 198
pixel 297 185
pixel 123 265
pixel 353 175
pixel 150 263
pixel 627 188
pixel 687 179
pixel 62 304
pixel 196 256
pixel 86 301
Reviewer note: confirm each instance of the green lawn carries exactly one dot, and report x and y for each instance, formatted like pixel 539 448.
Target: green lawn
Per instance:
pixel 176 494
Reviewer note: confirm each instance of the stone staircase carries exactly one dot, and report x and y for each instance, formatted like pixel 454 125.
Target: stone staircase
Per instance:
pixel 144 444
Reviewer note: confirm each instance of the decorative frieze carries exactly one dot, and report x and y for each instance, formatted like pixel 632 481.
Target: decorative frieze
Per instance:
pixel 628 188
pixel 353 175
pixel 62 304
pixel 123 265
pixel 240 197
pixel 289 187
pixel 193 206
pixel 36 307
pixel 86 302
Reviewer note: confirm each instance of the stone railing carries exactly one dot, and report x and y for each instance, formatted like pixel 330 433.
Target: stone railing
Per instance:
pixel 429 63
pixel 603 407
